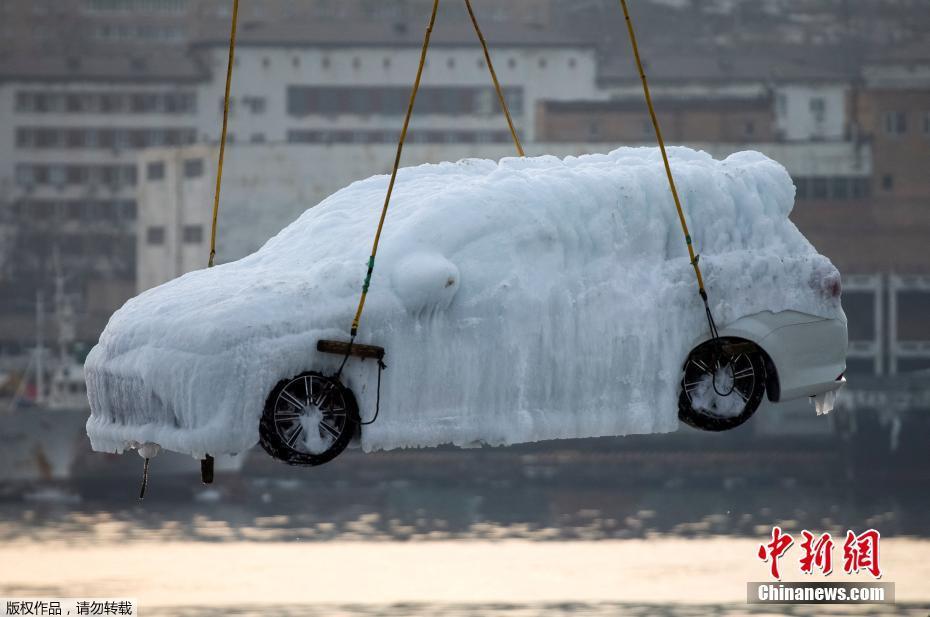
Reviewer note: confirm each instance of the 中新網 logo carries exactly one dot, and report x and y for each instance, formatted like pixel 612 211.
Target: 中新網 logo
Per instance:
pixel 860 552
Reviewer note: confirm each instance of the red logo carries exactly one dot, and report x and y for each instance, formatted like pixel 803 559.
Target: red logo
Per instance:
pixel 817 553
pixel 774 549
pixel 860 552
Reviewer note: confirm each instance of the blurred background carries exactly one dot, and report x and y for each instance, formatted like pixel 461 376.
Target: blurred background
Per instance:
pixel 110 115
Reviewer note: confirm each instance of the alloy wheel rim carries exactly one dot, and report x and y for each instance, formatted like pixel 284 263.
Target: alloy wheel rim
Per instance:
pixel 299 401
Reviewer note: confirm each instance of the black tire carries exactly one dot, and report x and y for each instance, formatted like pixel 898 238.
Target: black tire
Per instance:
pixel 281 430
pixel 740 365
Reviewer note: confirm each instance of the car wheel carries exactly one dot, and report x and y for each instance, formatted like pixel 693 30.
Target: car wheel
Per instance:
pixel 723 384
pixel 308 420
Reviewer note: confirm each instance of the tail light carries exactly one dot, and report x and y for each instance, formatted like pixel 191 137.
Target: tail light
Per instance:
pixel 829 284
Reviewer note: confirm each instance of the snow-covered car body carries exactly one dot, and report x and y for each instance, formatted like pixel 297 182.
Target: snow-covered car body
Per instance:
pixel 519 300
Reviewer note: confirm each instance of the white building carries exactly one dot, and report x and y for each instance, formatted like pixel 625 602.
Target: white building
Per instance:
pixel 812 112
pixel 311 84
pixel 71 127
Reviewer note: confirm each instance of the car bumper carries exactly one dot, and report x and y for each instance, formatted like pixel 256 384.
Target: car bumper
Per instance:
pixel 133 402
pixel 810 358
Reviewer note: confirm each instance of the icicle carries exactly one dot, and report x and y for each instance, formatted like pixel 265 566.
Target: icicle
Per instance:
pixel 147 451
pixel 206 469
pixel 145 479
pixel 824 403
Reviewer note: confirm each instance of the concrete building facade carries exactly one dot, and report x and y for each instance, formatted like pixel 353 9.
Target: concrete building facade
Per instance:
pixel 68 147
pixel 296 86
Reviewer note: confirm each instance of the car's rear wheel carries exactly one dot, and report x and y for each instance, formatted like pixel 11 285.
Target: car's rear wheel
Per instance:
pixel 723 384
pixel 308 419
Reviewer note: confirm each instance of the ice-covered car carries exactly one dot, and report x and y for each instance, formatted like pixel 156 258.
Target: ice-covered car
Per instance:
pixel 519 300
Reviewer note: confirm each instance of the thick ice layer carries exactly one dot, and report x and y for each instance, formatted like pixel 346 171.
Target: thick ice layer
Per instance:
pixel 519 300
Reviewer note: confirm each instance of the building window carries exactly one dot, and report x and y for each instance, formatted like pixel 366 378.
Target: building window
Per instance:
pixel 257 138
pixel 450 63
pixel 512 63
pixel 781 104
pixel 295 61
pixel 178 102
pixel 895 122
pixel 749 128
pixel 819 188
pixel 73 103
pixel 542 63
pixel 255 104
pixel 193 168
pixel 392 100
pixel 356 62
pixel 325 62
pixel 24 102
pixel 927 123
pixel 838 188
pixel 818 108
pixel 155 171
pixel 266 62
pixel 24 138
pixel 155 235
pixel 97 174
pixel 25 175
pixel 60 175
pixel 572 63
pixel 415 136
pixel 192 234
pixel 303 137
pixel 143 103
pixel 887 182
pixel 386 63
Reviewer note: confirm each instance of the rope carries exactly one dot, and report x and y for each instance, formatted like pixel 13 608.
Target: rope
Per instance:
pixel 658 131
pixel 381 367
pixel 668 171
pixel 387 199
pixel 219 169
pixel 497 85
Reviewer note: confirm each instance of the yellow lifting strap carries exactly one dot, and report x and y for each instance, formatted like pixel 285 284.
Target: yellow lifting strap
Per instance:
pixel 219 167
pixel 668 168
pixel 403 135
pixel 497 85
pixel 400 149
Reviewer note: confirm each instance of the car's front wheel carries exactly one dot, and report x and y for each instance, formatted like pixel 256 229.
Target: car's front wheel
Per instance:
pixel 723 384
pixel 308 419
